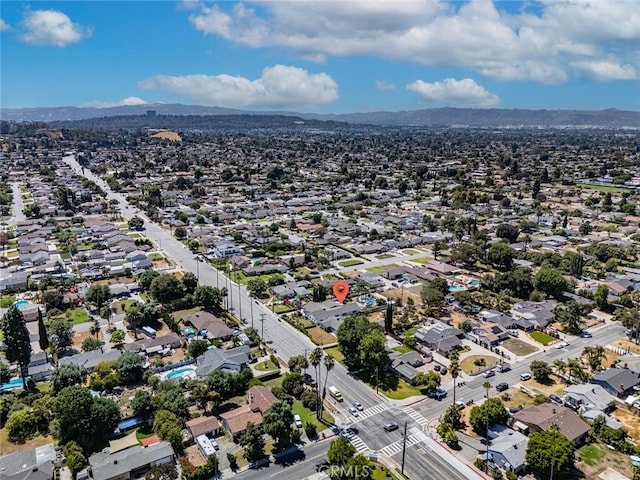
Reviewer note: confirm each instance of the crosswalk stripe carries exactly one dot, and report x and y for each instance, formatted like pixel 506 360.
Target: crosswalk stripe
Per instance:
pixel 415 416
pixel 369 412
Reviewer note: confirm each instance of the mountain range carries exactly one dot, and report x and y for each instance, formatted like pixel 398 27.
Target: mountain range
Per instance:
pixel 424 117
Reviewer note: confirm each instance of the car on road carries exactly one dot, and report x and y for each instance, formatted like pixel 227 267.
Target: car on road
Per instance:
pixel 525 376
pixel 555 399
pixel 321 464
pixel 443 371
pixel 353 412
pixel 489 373
pixel 439 394
pixel 503 368
pixel 391 426
pixel 586 335
pixel 436 367
pixel 358 405
pixel 562 345
pixel 502 386
pixel 461 404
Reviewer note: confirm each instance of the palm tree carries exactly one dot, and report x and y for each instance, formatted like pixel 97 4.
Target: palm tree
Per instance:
pixel 575 368
pixel 329 362
pixel 200 393
pixel 561 368
pixel 105 312
pixel 95 328
pixel 454 368
pixel 487 386
pixel 315 358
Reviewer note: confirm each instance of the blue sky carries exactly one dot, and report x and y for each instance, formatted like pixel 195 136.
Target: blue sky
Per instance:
pixel 322 56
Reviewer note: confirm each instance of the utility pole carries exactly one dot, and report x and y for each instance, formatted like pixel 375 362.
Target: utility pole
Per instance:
pixel 251 303
pixel 239 301
pixel 262 315
pixel 404 447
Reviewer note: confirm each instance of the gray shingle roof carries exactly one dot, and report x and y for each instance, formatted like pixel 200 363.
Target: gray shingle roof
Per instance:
pixel 105 466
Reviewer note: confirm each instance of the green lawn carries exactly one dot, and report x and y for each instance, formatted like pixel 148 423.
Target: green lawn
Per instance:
pixel 121 307
pixel 283 308
pixel 410 251
pixel 542 338
pixel 307 416
pixel 402 349
pixel 384 256
pixel 402 391
pixel 76 315
pixel 422 260
pixel 154 257
pixel 350 263
pixel 604 188
pixel 336 353
pixel 6 302
pixel 467 365
pixel 592 454
pixel 379 270
pixel 266 366
pixel 409 332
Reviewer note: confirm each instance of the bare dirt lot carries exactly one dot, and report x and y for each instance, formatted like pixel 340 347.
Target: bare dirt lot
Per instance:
pixel 320 337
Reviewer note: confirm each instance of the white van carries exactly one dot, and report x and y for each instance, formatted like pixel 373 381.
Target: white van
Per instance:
pixel 297 420
pixel 525 376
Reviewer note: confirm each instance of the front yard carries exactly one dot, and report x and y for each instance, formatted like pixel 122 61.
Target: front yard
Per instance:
pixel 475 363
pixel 350 263
pixel 518 347
pixel 595 458
pixel 542 338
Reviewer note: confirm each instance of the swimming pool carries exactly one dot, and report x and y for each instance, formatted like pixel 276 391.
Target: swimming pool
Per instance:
pixel 189 372
pixel 14 383
pixel 369 302
pixel 456 288
pixel 22 303
pixel 474 283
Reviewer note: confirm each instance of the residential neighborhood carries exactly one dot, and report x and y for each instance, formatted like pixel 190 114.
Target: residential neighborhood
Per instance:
pixel 168 306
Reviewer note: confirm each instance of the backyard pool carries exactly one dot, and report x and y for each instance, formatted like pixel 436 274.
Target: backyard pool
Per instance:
pixel 22 303
pixel 189 372
pixel 14 383
pixel 368 301
pixel 456 288
pixel 474 283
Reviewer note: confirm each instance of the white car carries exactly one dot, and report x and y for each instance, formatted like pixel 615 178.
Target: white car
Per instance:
pixel 297 420
pixel 358 405
pixel 525 376
pixel 353 412
pixel 562 345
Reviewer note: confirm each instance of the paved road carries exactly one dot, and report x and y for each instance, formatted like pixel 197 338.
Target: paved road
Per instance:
pixel 18 205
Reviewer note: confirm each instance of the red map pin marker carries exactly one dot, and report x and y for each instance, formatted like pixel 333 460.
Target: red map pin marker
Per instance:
pixel 341 290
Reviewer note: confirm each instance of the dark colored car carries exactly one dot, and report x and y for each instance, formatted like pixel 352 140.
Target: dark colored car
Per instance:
pixel 556 399
pixel 502 386
pixel 321 464
pixel 436 367
pixel 391 426
pixel 443 371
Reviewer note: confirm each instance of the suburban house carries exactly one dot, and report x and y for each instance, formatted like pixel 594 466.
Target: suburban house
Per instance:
pixel 215 328
pixel 537 418
pixel 205 425
pixel 441 338
pixel 160 345
pixel 30 464
pixel 90 359
pixel 489 334
pixel 540 314
pixel 590 397
pixel 441 268
pixel 259 400
pixel 508 448
pixel 232 360
pixel 292 289
pixel 329 314
pixel 616 381
pixel 403 364
pixel 131 462
pixel 495 316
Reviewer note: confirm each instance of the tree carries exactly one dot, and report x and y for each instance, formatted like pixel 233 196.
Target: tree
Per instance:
pixel 508 231
pixel 297 363
pixel 98 295
pixel 278 423
pixel 560 366
pixel 315 358
pixel 551 282
pixel 117 337
pixel 550 451
pixel 130 367
pixel 253 443
pixel 136 223
pixel 74 458
pixel 180 233
pixel 197 348
pixel 16 338
pixel 43 336
pixel 60 335
pixel 256 286
pixel 388 318
pixel 601 296
pixel 350 334
pixel 142 405
pixel 373 353
pixel 433 298
pixel 67 375
pixel 329 363
pixel 51 299
pixel 189 282
pixel 340 451
pixel 430 381
pixel 453 416
pixel 570 316
pixel 166 288
pixel 164 471
pixel 208 297
pixel 106 312
pixel 5 374
pixel 448 435
pixel 501 255
pixel 541 371
pixel 491 411
pixel 145 279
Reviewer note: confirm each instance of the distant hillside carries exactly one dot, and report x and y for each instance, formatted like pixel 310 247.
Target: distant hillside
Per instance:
pixel 426 117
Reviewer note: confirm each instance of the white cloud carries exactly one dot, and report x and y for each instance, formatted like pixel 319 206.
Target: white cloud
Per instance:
pixel 605 71
pixel 4 26
pixel 459 93
pixel 279 86
pixel 51 28
pixel 533 45
pixel 117 103
pixel 384 86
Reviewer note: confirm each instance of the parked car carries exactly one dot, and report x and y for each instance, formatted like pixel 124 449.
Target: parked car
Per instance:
pixel 391 426
pixel 436 367
pixel 358 405
pixel 460 404
pixel 502 386
pixel 555 399
pixel 525 376
pixel 443 371
pixel 297 420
